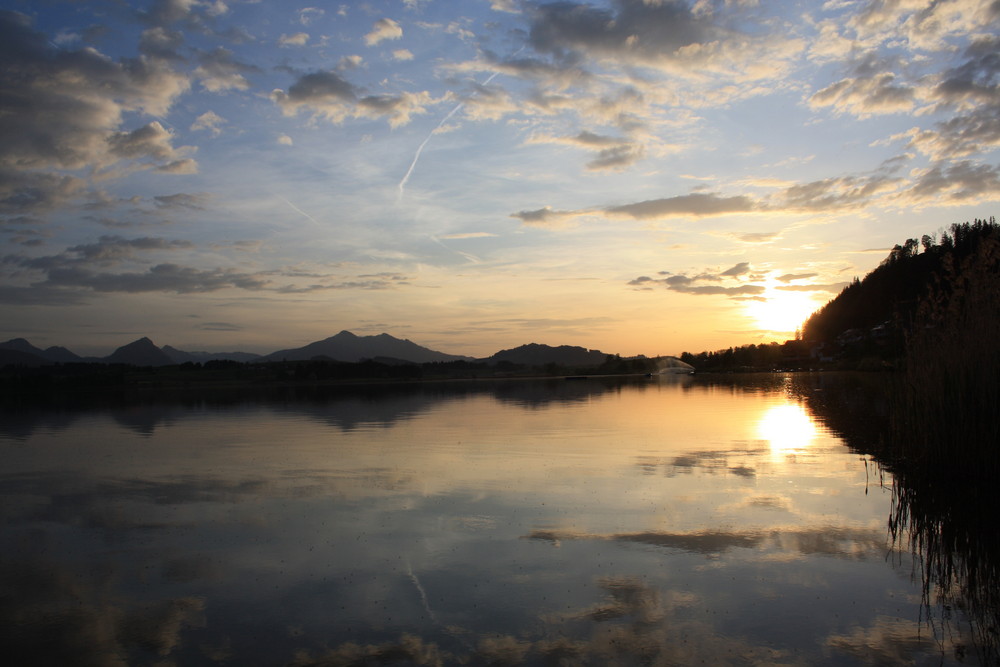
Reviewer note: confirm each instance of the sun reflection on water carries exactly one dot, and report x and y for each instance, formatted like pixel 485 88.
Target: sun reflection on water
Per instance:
pixel 788 428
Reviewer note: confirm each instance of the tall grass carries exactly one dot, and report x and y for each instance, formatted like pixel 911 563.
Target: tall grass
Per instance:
pixel 951 529
pixel 947 410
pixel 945 435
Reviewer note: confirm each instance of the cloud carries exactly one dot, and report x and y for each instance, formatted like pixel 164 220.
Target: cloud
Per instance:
pixel 957 183
pixel 668 35
pixel 758 237
pixel 218 71
pixel 183 166
pixel 920 26
pixel 738 270
pixel 195 202
pixel 863 97
pixel 838 192
pixel 159 42
pixel 975 80
pixel 220 326
pixel 739 290
pixel 467 235
pixel 611 152
pixel 309 14
pixel 63 110
pixel 509 6
pixel 159 278
pixel 680 282
pixel 789 277
pixel 402 54
pixel 694 205
pixel 36 295
pixel 297 39
pixel 67 276
pixel 107 251
pixel 970 93
pixel 210 122
pixel 697 205
pixel 833 288
pixel 383 29
pixel 328 95
pixel 543 217
pixel 35 192
pixel 165 12
pixel 151 141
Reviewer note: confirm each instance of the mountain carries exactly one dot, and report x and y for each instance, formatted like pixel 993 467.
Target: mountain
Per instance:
pixel 11 357
pixel 346 346
pixel 139 353
pixel 62 355
pixel 534 354
pixel 180 356
pixel 22 345
pixel 52 354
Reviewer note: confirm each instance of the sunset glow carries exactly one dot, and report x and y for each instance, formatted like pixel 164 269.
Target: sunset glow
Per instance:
pixel 782 312
pixel 630 176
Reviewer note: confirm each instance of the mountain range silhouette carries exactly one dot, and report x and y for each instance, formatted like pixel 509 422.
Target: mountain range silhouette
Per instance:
pixel 344 346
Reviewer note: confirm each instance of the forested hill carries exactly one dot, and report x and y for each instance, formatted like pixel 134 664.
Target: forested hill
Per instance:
pixel 890 294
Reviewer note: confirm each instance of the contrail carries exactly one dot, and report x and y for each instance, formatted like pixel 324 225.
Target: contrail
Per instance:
pixel 420 148
pixel 420 589
pixel 297 209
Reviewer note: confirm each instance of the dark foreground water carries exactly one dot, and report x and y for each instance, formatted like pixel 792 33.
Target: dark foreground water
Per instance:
pixel 572 522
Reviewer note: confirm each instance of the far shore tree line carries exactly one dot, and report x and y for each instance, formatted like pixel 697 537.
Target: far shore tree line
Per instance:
pixel 319 370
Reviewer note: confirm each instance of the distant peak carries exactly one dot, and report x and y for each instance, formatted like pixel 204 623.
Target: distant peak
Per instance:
pixel 143 342
pixel 345 334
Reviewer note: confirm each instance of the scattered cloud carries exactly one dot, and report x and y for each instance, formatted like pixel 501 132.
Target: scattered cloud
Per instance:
pixel 328 95
pixel 790 277
pixel 833 288
pixel 309 14
pixel 196 202
pixel 210 122
pixel 758 237
pixel 672 37
pixel 693 205
pixel 610 152
pixel 297 39
pixel 543 217
pixel 706 283
pixel 382 30
pixel 468 235
pixel 219 71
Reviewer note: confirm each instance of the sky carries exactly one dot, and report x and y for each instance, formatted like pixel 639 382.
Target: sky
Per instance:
pixel 635 176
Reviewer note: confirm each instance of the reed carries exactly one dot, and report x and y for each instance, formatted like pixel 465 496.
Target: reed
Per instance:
pixel 945 411
pixel 950 528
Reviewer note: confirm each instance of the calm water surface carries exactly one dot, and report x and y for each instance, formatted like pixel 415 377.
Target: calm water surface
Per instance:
pixel 582 522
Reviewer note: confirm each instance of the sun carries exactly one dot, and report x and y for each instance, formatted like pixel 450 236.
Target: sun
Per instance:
pixel 781 311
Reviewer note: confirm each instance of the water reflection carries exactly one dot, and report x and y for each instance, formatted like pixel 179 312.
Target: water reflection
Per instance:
pixel 946 518
pixel 600 522
pixel 788 428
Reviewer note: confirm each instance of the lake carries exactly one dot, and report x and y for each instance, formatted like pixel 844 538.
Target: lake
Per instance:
pixel 602 521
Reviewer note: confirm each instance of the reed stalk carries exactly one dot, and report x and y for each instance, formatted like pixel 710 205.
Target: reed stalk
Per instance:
pixel 946 410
